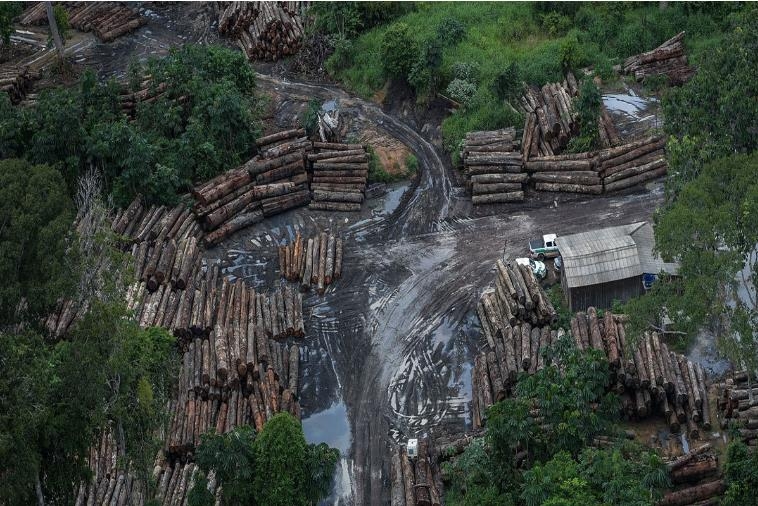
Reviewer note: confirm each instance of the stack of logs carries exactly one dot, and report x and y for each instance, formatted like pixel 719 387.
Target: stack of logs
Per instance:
pixel 272 182
pixel 107 20
pixel 110 483
pixel 416 482
pixel 339 173
pixel 738 406
pixel 316 261
pixel 550 118
pixel 607 170
pixel 493 165
pixel 696 479
pixel 668 60
pixel 647 376
pixel 265 31
pixel 16 81
pixel 148 92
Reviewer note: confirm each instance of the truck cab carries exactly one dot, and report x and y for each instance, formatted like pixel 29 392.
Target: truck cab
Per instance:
pixel 544 248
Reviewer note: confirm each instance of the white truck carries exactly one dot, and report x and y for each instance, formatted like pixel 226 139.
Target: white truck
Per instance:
pixel 544 248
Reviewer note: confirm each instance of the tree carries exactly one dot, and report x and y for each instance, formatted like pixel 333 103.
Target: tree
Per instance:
pixel 52 20
pixel 34 240
pixel 398 51
pixel 8 11
pixel 741 474
pixel 716 113
pixel 710 230
pixel 276 467
pixel 588 108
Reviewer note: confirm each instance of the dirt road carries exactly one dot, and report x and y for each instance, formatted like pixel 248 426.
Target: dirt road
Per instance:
pixel 390 346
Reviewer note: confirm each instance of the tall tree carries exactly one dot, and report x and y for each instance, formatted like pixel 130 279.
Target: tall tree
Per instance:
pixel 54 31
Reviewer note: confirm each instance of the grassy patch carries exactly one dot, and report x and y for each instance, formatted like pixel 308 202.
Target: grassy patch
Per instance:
pixel 531 42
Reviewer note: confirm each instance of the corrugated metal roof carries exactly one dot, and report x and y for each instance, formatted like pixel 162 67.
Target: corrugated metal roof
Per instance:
pixel 643 235
pixel 610 254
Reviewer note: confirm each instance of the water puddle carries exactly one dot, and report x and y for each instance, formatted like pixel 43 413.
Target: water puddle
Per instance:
pixel 634 115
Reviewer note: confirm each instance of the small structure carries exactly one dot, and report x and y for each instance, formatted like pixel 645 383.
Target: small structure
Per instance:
pixel 412 448
pixel 616 263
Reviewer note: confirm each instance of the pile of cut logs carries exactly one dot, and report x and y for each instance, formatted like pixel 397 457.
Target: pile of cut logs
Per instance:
pixel 550 119
pixel 315 262
pixel 493 166
pixel 236 319
pixel 16 81
pixel 416 482
pixel 270 183
pixel 668 60
pixel 265 31
pixel 648 377
pixel 738 406
pixel 696 479
pixel 147 92
pixel 607 170
pixel 107 20
pixel 339 173
pixel 268 388
pixel 110 483
pixel 139 223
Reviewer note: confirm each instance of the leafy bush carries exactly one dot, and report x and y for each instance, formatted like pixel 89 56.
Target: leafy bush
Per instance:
pixel 588 107
pixel 507 84
pixel 741 475
pixel 555 23
pixel 451 31
pixel 411 164
pixel 398 51
pixel 461 91
pixel 310 117
pixel 8 11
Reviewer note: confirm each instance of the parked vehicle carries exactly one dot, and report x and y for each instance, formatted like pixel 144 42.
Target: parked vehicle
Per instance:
pixel 544 248
pixel 538 268
pixel 558 263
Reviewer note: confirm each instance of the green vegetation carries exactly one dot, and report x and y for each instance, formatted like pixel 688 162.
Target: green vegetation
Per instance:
pixel 547 426
pixel 588 108
pixel 204 123
pixel 741 473
pixel 37 215
pixel 276 467
pixel 8 11
pixel 505 44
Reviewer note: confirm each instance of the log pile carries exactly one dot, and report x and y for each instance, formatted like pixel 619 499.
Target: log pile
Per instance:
pixel 107 20
pixel 16 81
pixel 314 262
pixel 338 176
pixel 270 183
pixel 416 482
pixel 603 171
pixel 695 477
pixel 738 406
pixel 647 376
pixel 668 60
pixel 110 483
pixel 266 31
pixel 550 118
pixel 493 166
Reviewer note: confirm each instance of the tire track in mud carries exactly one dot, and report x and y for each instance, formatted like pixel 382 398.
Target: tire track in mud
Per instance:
pixel 394 338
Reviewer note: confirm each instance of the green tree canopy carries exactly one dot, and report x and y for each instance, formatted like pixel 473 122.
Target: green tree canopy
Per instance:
pixel 276 467
pixel 36 218
pixel 399 51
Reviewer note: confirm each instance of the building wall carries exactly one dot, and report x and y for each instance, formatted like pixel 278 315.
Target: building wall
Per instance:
pixel 603 295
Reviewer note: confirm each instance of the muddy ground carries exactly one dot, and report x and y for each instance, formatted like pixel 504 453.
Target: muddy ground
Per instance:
pixel 389 347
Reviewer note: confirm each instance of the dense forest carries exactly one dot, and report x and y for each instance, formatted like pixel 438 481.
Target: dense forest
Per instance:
pixel 69 161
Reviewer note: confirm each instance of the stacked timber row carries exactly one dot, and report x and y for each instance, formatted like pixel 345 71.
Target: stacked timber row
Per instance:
pixel 696 479
pixel 633 163
pixel 265 31
pixel 603 171
pixel 110 483
pixel 16 81
pixel 148 92
pixel 266 389
pixel 235 319
pixel 270 183
pixel 648 377
pixel 493 166
pixel 314 262
pixel 338 176
pixel 66 312
pixel 416 482
pixel 550 118
pixel 107 20
pixel 738 406
pixel 139 223
pixel 668 60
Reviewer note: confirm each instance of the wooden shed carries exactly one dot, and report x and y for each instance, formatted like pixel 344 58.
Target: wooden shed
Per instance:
pixel 602 266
